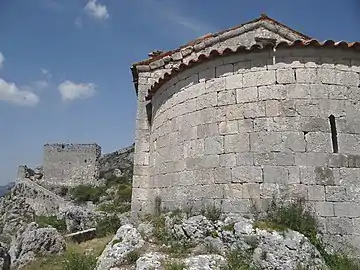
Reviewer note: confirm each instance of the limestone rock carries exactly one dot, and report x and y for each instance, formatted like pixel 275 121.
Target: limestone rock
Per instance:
pixel 151 260
pixel 206 262
pixel 127 239
pixel 32 241
pixel 77 218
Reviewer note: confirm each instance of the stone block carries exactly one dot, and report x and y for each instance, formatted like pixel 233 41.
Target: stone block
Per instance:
pixel 274 158
pixel 311 159
pixel 266 141
pixel 206 101
pixel 236 143
pixel 347 78
pixel 234 82
pixel 251 190
pixel 315 124
pixel 293 141
pixel 316 193
pixel 338 160
pixel 269 190
pixel 234 112
pixel 244 159
pixel 276 174
pixel 245 126
pixel 353 161
pixel 254 109
pixel 336 194
pixel 319 176
pixel 259 78
pixel 207 130
pixel 349 143
pixel 226 97
pixel 209 161
pixel 228 160
pixel 273 108
pixel 194 148
pixel 215 85
pixel 275 91
pixel 285 76
pixel 318 142
pixel 228 127
pixel 240 206
pixel 339 225
pixel 248 94
pixel 324 209
pixel 234 191
pixel 306 75
pixel 214 145
pixel 347 209
pixel 349 176
pixel 247 174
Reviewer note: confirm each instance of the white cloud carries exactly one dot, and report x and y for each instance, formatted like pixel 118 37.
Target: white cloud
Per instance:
pixel 71 91
pixel 9 92
pixel 172 13
pixel 2 60
pixel 96 10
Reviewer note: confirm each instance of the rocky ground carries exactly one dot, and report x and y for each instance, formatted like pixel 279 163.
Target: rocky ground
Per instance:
pixel 99 235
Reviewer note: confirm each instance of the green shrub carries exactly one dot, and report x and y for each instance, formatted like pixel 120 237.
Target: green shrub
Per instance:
pixel 115 207
pixel 108 225
pixel 132 256
pixel 124 192
pixel 77 261
pixel 238 259
pixel 295 216
pixel 53 221
pixel 174 265
pixel 84 193
pixel 211 211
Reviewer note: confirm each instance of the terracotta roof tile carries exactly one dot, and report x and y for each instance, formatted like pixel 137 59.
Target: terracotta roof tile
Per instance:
pixel 263 17
pixel 215 53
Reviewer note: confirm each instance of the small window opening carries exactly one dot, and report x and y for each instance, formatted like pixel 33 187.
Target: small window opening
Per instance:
pixel 85 160
pixel 149 112
pixel 62 146
pixel 334 134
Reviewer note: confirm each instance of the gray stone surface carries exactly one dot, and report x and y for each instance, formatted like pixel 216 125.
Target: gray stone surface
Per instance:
pixel 267 125
pixel 71 164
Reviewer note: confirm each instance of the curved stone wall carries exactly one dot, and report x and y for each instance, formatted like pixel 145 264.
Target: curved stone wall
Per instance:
pixel 242 128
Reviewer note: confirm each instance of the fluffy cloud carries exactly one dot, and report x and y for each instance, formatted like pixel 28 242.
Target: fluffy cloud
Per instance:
pixel 2 60
pixel 9 92
pixel 71 91
pixel 96 10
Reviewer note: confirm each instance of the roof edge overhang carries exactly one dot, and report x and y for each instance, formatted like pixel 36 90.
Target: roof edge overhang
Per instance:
pixel 135 68
pixel 228 51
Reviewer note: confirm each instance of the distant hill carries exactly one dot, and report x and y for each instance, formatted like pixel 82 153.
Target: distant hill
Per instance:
pixel 4 189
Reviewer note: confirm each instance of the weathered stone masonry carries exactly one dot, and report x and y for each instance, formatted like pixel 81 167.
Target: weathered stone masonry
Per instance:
pixel 240 128
pixel 71 164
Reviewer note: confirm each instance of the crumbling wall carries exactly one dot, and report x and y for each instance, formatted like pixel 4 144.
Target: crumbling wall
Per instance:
pixel 71 164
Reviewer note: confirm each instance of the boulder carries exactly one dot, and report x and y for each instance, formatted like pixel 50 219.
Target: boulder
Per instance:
pixel 32 241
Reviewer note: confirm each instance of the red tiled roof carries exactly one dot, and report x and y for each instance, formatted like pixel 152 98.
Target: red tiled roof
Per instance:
pixel 216 53
pixel 263 17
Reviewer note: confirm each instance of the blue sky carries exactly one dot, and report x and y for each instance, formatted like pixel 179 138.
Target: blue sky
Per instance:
pixel 71 60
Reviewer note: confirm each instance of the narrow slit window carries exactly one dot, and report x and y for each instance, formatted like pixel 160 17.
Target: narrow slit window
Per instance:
pixel 149 112
pixel 334 134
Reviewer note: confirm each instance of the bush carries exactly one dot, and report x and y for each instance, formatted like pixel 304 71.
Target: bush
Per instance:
pixel 84 193
pixel 296 217
pixel 107 225
pixel 212 212
pixel 132 256
pixel 238 259
pixel 124 192
pixel 114 207
pixel 53 221
pixel 77 261
pixel 173 265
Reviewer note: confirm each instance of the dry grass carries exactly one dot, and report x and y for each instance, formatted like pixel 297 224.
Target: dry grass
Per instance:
pixel 56 262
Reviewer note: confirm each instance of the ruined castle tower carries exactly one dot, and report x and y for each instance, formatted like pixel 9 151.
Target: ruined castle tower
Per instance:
pixel 251 112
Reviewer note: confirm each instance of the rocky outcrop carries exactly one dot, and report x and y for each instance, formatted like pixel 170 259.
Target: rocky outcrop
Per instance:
pixel 77 218
pixel 118 163
pixel 208 245
pixel 32 241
